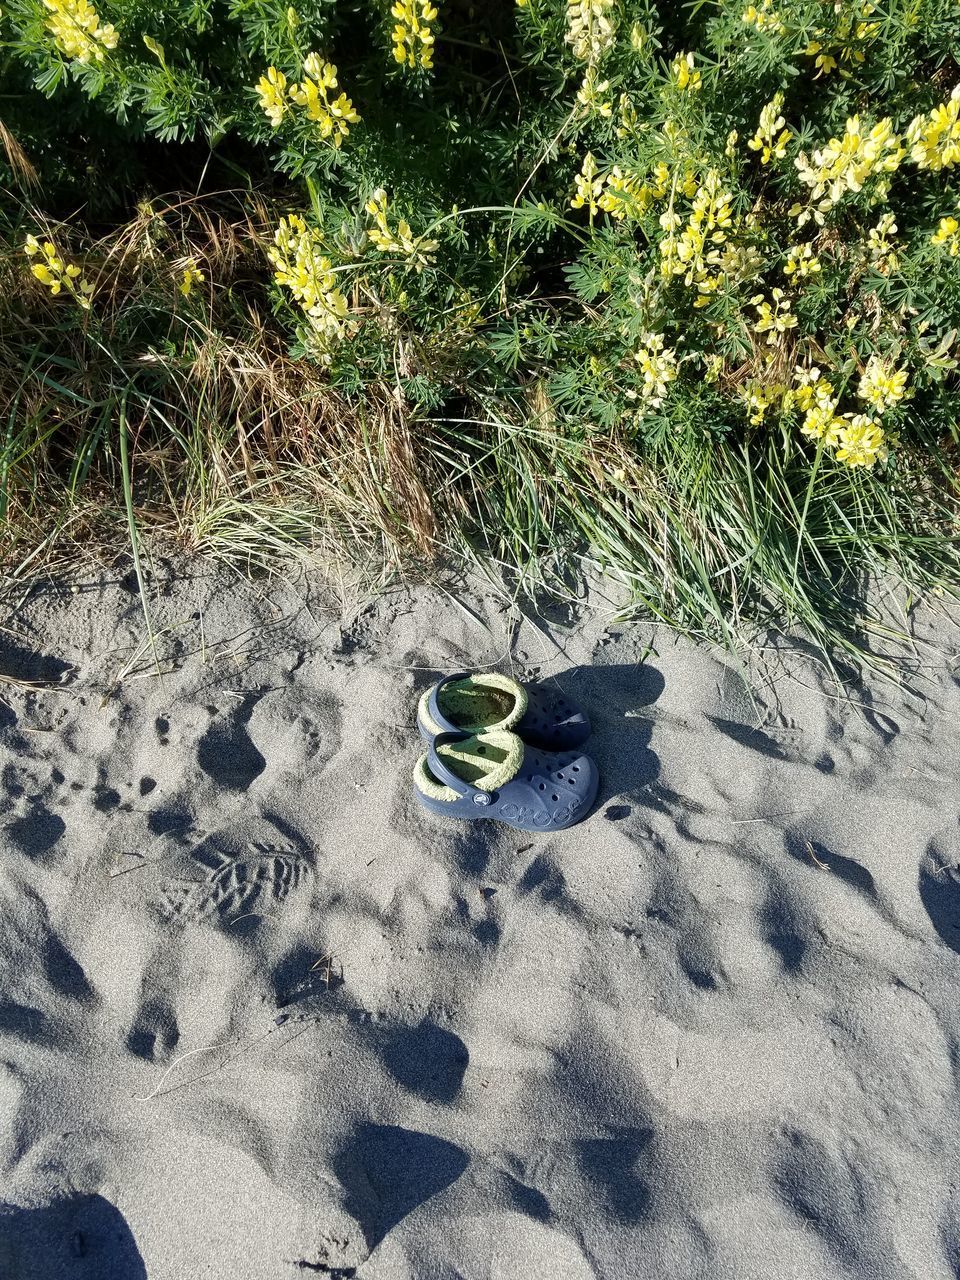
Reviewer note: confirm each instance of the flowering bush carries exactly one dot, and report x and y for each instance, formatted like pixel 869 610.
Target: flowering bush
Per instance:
pixel 654 227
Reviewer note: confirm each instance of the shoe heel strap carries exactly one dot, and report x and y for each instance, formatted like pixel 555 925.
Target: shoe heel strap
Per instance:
pixel 433 703
pixel 443 773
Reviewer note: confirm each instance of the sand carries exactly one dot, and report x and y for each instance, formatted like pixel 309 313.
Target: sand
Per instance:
pixel 261 1017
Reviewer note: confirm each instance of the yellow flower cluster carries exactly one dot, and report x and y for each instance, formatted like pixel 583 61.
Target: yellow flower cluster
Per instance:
pixel 301 267
pixel 842 44
pixel 589 187
pixel 814 396
pixel 774 317
pixel 846 163
pixel 857 438
pixel 802 261
pixel 272 88
pixel 416 249
pixel 760 397
pixel 332 115
pixel 413 37
pixel 622 194
pixel 696 253
pixel 766 18
pixel 77 30
pixel 592 95
pixel 947 236
pixel 191 275
pixel 590 28
pixel 860 441
pixel 881 386
pixel 684 74
pixel 56 273
pixel 658 364
pixel 880 245
pixel 771 137
pixel 935 139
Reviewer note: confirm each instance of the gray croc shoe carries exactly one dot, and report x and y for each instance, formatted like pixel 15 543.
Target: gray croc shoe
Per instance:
pixel 496 775
pixel 488 701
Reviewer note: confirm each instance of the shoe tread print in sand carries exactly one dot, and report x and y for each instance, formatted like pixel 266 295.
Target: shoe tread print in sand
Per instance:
pixel 243 880
pixel 255 860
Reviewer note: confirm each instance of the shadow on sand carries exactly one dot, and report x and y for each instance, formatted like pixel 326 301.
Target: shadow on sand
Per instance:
pixel 616 698
pixel 80 1238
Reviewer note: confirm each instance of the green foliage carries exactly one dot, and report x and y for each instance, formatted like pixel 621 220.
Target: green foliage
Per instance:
pixel 644 236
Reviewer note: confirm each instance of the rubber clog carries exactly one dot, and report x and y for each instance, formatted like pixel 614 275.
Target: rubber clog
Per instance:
pixel 496 775
pixel 486 702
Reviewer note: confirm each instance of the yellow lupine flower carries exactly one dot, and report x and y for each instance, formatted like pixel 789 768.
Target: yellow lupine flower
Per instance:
pixel 589 187
pixel 417 249
pixel 697 252
pixel 811 388
pixel 821 423
pixel 947 236
pixel 272 88
pixel 57 274
pixel 861 441
pixel 882 386
pixel 842 42
pixel 801 261
pixel 658 364
pixel 760 398
pixel 765 18
pixel 774 318
pixel 332 115
pixel 881 246
pixel 590 28
pixel 824 62
pixel 846 163
pixel 590 95
pixel 191 275
pixel 771 137
pixel 814 396
pixel 77 30
pixel 413 38
pixel 684 74
pixel 307 273
pixel 624 195
pixel 935 138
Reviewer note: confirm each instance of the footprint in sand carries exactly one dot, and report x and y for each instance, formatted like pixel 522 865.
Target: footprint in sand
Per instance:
pixel 226 750
pixel 38 832
pixel 238 883
pixel 939 886
pixel 280 731
pixel 244 877
pixel 388 1171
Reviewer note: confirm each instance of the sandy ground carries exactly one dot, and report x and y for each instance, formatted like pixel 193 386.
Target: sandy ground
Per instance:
pixel 261 1017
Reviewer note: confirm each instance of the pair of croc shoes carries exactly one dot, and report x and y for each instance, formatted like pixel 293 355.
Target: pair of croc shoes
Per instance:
pixel 504 750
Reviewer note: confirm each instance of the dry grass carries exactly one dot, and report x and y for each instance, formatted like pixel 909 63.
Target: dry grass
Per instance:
pixel 225 427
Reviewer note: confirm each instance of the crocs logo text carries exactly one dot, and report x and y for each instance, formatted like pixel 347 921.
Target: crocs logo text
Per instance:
pixel 539 817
